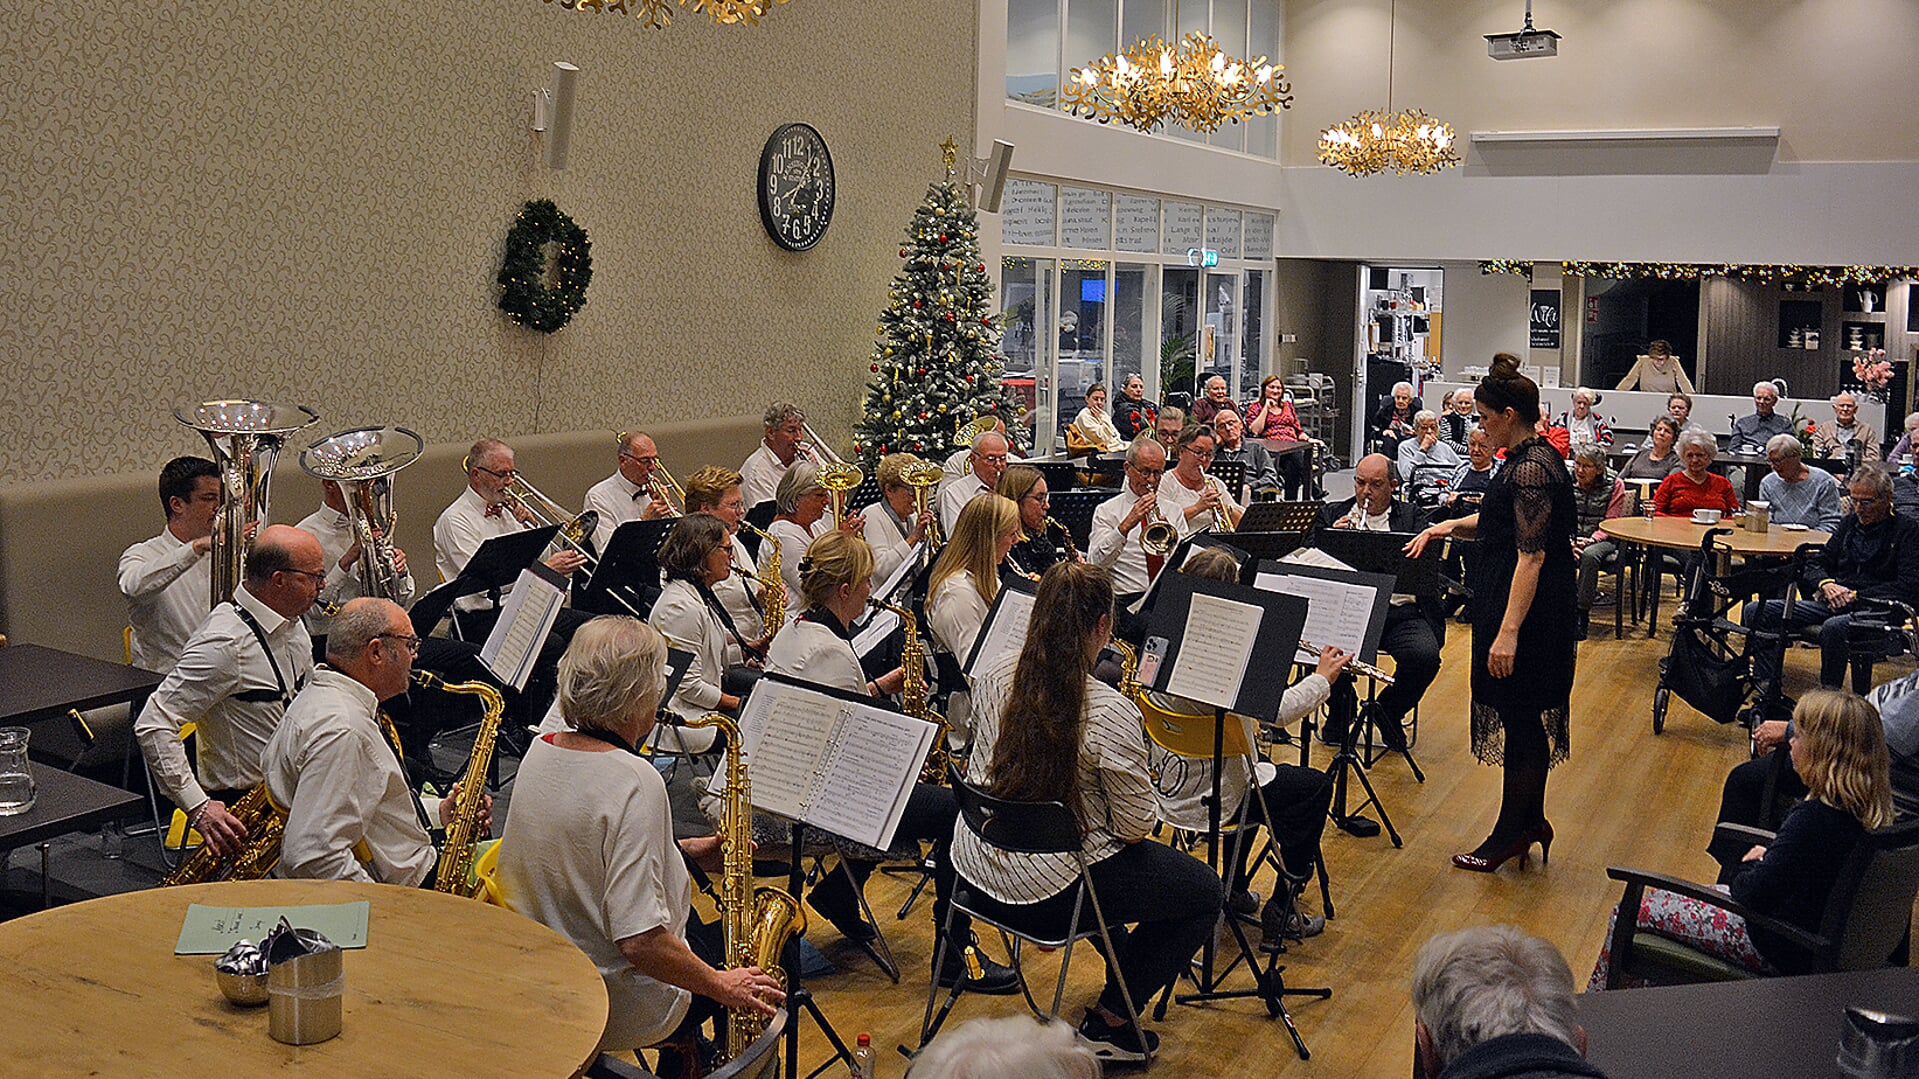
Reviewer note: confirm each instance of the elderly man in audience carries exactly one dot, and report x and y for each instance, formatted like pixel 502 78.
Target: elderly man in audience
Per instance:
pixel 1231 444
pixel 1846 436
pixel 1598 495
pixel 166 579
pixel 1393 419
pixel 235 678
pixel 1492 1001
pixel 1167 427
pixel 1799 493
pixel 984 463
pixel 350 812
pixel 1679 407
pixel 1213 401
pixel 1412 633
pixel 628 494
pixel 1873 555
pixel 779 447
pixel 1901 456
pixel 1582 424
pixel 1425 461
pixel 1751 433
pixel 1471 479
pixel 1459 420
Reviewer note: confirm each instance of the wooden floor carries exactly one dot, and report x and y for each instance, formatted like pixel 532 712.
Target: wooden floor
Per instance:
pixel 1627 797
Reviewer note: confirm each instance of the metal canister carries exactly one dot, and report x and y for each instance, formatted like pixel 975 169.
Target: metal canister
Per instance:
pixel 304 993
pixel 1758 516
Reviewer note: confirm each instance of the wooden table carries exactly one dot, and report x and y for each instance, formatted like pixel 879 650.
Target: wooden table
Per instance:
pixel 1681 534
pixel 1766 1026
pixel 37 682
pixel 445 986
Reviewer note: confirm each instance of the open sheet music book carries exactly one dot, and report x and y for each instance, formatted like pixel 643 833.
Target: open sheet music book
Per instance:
pixel 1005 627
pixel 829 759
pixel 525 620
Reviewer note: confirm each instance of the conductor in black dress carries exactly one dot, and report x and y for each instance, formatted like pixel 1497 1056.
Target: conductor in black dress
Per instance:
pixel 1523 604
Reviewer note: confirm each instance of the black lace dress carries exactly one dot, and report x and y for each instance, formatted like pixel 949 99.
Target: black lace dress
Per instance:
pixel 1528 508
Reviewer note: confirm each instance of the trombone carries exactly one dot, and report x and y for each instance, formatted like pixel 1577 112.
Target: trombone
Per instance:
pixel 525 498
pixel 816 450
pixel 667 489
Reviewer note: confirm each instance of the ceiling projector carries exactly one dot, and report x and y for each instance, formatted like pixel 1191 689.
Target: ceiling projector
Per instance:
pixel 1524 44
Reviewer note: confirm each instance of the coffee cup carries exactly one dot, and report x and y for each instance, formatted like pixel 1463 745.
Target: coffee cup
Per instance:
pixel 1706 517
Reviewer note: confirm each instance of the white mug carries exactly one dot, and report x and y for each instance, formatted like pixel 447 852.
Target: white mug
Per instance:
pixel 1706 517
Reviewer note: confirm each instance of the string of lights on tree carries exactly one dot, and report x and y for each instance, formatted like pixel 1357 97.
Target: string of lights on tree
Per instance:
pixel 1759 273
pixel 936 362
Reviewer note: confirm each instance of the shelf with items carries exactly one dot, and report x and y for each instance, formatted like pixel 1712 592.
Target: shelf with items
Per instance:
pixel 1857 336
pixel 1800 323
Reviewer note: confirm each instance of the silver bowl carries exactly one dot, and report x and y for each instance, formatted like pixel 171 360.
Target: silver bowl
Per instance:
pixel 246 990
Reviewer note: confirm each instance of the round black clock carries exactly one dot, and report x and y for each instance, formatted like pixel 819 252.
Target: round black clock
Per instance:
pixel 796 187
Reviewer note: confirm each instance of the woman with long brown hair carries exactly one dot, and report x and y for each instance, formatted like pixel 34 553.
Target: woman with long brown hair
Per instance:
pixel 1045 730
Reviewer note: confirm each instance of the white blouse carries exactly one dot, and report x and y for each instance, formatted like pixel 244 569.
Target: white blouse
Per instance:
pixel 955 614
pixel 1099 429
pixel 685 619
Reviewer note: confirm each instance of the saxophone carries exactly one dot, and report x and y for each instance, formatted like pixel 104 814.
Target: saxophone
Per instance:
pixel 914 697
pixel 772 586
pixel 756 922
pixel 456 854
pixel 264 823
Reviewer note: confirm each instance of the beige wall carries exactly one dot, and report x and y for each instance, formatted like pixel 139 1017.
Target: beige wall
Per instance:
pixel 309 204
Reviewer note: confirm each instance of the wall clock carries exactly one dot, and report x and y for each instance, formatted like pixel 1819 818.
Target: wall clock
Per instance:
pixel 796 187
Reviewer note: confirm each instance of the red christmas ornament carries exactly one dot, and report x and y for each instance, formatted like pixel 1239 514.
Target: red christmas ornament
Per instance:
pixel 902 252
pixel 942 237
pixel 916 305
pixel 969 378
pixel 922 371
pixel 948 316
pixel 923 416
pixel 875 368
pixel 981 268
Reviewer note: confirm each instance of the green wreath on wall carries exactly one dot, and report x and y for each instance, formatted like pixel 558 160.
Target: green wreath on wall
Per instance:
pixel 528 299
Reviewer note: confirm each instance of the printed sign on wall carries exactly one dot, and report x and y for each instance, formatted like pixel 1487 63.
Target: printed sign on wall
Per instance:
pixel 1545 319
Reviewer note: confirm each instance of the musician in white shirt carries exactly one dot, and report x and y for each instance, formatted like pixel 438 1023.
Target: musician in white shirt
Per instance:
pixel 696 556
pixel 984 463
pixel 1190 498
pixel 715 491
pixel 167 579
pixel 337 772
pixel 966 578
pixel 1117 522
pixel 956 462
pixel 894 527
pixel 331 525
pixel 234 679
pixel 481 513
pixel 778 449
pixel 802 518
pixel 628 494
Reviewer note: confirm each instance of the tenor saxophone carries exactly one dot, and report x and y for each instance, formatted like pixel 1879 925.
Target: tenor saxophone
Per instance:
pixel 264 823
pixel 756 922
pixel 463 822
pixel 915 701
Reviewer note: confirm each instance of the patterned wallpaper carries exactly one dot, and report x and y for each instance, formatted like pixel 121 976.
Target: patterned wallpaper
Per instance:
pixel 308 203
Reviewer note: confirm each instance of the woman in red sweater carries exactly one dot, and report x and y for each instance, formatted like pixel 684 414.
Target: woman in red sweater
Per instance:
pixel 1695 487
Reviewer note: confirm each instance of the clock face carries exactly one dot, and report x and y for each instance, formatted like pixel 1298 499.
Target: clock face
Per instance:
pixel 796 187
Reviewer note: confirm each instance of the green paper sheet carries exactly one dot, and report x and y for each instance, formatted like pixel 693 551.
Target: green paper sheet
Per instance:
pixel 212 930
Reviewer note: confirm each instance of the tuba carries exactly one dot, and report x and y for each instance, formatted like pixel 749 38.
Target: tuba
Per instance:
pixel 914 699
pixel 756 922
pixel 362 461
pixel 264 823
pixel 245 437
pixel 455 867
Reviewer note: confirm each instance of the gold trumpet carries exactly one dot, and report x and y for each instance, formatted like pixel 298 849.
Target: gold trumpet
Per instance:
pixel 1157 534
pixel 1222 521
pixel 1355 664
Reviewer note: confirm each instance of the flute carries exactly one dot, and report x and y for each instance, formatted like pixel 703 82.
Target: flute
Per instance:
pixel 1355 665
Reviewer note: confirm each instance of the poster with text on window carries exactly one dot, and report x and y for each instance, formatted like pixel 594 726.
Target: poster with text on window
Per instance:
pixel 1545 319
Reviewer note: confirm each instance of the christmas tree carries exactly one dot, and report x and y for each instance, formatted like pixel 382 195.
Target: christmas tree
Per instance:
pixel 936 364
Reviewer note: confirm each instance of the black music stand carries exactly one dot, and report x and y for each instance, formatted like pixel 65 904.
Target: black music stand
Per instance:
pixel 1230 473
pixel 628 576
pixel 1074 509
pixel 760 517
pixel 1261 684
pixel 1060 475
pixel 1295 517
pixel 494 566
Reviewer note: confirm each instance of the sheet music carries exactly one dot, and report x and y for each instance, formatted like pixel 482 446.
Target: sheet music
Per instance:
pixel 1313 556
pixel 901 574
pixel 524 622
pixel 1213 650
pixel 786 735
pixel 855 798
pixel 1005 630
pixel 1337 612
pixel 880 624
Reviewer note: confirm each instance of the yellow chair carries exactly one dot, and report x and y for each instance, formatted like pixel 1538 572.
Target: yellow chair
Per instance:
pixel 486 868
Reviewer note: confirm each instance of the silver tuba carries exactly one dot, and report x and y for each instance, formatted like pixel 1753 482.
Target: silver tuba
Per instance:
pixel 245 437
pixel 362 461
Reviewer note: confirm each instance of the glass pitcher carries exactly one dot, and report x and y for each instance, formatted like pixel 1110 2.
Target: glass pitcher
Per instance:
pixel 16 778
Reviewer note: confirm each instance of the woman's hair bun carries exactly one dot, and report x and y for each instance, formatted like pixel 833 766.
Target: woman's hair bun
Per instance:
pixel 1505 365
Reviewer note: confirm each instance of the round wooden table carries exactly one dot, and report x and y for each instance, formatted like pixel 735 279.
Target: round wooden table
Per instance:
pixel 1682 534
pixel 445 986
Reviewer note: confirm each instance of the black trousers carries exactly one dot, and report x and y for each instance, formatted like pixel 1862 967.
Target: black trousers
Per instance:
pixel 931 811
pixel 1409 638
pixel 1299 799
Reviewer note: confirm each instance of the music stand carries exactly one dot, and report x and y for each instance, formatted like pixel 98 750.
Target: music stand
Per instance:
pixel 1279 517
pixel 1268 629
pixel 760 517
pixel 494 566
pixel 629 571
pixel 1074 509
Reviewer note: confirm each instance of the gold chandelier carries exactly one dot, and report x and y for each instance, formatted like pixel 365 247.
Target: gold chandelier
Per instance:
pixel 1405 141
pixel 657 13
pixel 1193 84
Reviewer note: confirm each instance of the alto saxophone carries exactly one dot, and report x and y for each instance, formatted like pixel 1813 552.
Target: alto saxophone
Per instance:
pixel 772 585
pixel 755 922
pixel 914 699
pixel 264 823
pixel 463 822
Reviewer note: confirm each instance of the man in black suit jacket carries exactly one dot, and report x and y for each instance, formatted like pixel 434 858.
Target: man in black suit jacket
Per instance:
pixel 1413 631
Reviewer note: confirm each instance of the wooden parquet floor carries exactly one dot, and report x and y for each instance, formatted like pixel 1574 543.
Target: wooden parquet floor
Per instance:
pixel 1626 797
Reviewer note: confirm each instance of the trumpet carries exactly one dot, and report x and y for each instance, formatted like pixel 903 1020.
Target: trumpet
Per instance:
pixel 1157 534
pixel 1355 664
pixel 816 450
pixel 1222 521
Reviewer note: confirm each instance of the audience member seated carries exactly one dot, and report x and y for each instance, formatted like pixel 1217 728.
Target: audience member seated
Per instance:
pixel 1845 436
pixel 1556 436
pixel 1695 486
pixel 1905 494
pixel 1838 748
pixel 1657 370
pixel 1425 461
pixel 1751 433
pixel 1582 423
pixel 1471 478
pixel 1799 493
pixel 1133 413
pixel 1872 555
pixel 1494 1003
pixel 1659 457
pixel 1901 456
pixel 1392 421
pixel 1095 422
pixel 1679 407
pixel 1213 401
pixel 1261 476
pixel 1459 420
pixel 168 580
pixel 1011 1045
pixel 1598 495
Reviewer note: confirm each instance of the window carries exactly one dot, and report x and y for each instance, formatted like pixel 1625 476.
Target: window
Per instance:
pixel 1032 51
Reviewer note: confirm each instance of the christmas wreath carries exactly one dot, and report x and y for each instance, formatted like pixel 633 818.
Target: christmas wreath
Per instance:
pixel 528 299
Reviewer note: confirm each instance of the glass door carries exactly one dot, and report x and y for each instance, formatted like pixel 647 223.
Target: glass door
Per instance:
pixel 1219 337
pixel 1179 338
pixel 1083 291
pixel 1027 301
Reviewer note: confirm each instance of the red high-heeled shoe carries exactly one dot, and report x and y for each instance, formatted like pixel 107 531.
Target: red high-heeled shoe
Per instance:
pixel 1541 833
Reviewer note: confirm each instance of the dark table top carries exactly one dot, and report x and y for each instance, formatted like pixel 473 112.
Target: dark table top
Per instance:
pixel 1763 1027
pixel 38 683
pixel 66 803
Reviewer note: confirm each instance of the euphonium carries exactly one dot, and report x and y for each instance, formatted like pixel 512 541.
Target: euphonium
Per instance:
pixel 245 437
pixel 264 823
pixel 463 819
pixel 362 462
pixel 772 585
pixel 914 699
pixel 925 477
pixel 839 478
pixel 755 922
